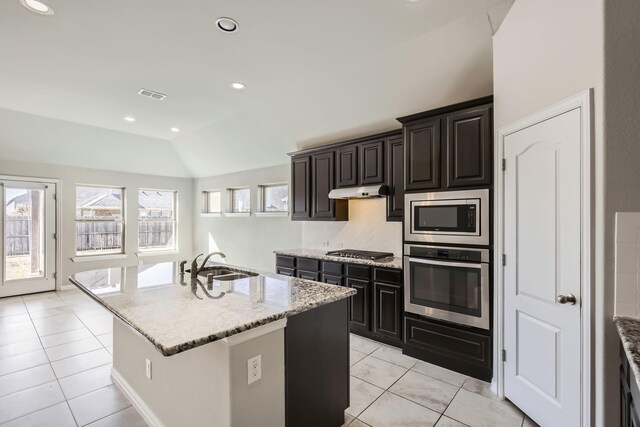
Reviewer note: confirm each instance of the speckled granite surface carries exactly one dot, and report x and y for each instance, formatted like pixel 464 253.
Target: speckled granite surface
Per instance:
pixel 176 313
pixel 629 331
pixel 395 262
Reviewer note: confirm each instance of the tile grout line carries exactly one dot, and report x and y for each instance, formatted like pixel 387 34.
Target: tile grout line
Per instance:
pixel 52 370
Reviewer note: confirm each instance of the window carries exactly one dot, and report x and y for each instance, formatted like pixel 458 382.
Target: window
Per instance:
pixel 212 202
pixel 274 198
pixel 99 220
pixel 156 220
pixel 240 200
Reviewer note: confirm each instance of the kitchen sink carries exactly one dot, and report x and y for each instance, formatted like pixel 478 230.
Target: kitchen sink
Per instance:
pixel 234 276
pixel 216 271
pixel 225 274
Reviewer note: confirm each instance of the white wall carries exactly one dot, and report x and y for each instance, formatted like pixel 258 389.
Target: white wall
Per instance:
pixel 70 176
pixel 545 51
pixel 621 171
pixel 247 241
pixel 367 229
pixel 627 264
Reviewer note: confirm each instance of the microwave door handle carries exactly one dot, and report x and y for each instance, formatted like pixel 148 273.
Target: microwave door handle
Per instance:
pixel 452 264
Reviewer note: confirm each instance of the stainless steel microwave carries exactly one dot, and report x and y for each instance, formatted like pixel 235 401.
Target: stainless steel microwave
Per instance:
pixel 452 217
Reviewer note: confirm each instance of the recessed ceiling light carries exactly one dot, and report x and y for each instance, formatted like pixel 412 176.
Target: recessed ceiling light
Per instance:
pixel 37 7
pixel 175 129
pixel 237 85
pixel 129 119
pixel 227 25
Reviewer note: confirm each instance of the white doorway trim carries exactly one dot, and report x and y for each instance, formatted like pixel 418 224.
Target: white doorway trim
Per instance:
pixel 55 182
pixel 583 101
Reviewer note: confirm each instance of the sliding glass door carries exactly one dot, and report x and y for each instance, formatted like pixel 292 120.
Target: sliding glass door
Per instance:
pixel 28 237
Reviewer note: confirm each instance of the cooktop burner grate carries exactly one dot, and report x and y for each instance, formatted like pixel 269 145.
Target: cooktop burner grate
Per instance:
pixel 354 253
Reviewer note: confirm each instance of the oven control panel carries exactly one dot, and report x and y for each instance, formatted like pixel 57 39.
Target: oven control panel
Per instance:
pixel 450 254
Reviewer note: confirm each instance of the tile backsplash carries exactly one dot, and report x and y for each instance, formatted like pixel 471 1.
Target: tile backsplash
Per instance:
pixel 627 299
pixel 366 229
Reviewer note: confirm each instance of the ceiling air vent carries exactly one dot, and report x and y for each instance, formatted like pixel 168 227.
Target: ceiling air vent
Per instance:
pixel 152 94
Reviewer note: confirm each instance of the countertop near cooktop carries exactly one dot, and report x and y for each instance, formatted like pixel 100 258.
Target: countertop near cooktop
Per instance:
pixel 395 262
pixel 629 331
pixel 177 313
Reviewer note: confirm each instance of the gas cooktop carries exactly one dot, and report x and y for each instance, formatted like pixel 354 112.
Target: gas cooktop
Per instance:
pixel 354 253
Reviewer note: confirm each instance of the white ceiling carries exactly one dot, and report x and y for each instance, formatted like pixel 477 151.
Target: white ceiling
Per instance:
pixel 316 71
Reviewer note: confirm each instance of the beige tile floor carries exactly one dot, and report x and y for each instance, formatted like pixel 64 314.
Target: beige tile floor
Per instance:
pixel 393 390
pixel 55 365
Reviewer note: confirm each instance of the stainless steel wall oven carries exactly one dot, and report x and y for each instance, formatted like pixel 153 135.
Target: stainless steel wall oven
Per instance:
pixel 447 283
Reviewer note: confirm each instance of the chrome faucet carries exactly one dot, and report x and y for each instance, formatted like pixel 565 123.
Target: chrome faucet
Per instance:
pixel 194 264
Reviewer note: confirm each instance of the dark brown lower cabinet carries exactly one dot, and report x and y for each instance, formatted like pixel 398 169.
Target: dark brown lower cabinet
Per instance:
pixel 308 275
pixel 467 351
pixel 360 304
pixel 332 280
pixel 317 366
pixel 629 393
pixel 375 311
pixel 291 272
pixel 387 303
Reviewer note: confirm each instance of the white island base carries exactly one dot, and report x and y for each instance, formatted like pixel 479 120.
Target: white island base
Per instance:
pixel 206 385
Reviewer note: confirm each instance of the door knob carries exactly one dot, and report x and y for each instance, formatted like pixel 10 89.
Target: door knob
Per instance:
pixel 566 299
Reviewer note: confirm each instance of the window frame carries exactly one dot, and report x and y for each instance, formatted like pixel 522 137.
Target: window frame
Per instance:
pixel 206 211
pixel 262 199
pixel 122 221
pixel 175 222
pixel 231 212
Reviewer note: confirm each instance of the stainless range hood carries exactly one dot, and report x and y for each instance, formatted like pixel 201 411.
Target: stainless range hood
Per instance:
pixel 359 192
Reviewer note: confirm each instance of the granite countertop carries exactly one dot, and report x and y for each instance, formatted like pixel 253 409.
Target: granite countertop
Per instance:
pixel 395 262
pixel 176 313
pixel 629 331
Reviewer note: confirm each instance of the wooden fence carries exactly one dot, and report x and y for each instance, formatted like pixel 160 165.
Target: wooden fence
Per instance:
pixel 90 236
pixel 18 235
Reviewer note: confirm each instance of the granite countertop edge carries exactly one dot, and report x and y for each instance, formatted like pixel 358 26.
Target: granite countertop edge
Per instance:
pixel 629 331
pixel 172 350
pixel 393 263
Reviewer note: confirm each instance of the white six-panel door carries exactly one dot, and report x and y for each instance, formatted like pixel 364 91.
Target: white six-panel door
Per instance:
pixel 543 248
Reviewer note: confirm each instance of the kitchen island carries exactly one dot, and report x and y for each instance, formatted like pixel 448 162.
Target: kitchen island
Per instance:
pixel 242 348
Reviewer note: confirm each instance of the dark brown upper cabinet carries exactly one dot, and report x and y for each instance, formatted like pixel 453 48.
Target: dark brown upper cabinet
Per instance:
pixel 322 182
pixel 422 155
pixel 449 147
pixel 468 145
pixel 395 177
pixel 301 188
pixel 347 166
pixel 371 162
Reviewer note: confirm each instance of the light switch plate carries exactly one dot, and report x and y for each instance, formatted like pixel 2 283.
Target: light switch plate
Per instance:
pixel 254 369
pixel 148 369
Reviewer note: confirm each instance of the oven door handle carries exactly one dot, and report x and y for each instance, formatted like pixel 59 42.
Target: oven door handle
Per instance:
pixel 446 263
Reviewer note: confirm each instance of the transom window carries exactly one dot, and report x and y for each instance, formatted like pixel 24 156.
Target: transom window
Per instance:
pixel 156 220
pixel 240 200
pixel 212 201
pixel 99 220
pixel 274 197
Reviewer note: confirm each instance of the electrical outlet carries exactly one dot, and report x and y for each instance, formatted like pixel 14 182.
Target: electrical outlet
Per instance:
pixel 254 369
pixel 148 369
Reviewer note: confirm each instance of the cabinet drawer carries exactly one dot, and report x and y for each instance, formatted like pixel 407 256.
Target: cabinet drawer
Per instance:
pixel 332 280
pixel 285 261
pixel 358 271
pixel 334 268
pixel 387 275
pixel 308 264
pixel 286 271
pixel 308 275
pixel 453 348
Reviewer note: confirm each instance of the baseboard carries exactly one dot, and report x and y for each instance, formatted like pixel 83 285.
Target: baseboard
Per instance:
pixel 145 412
